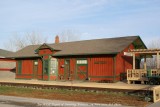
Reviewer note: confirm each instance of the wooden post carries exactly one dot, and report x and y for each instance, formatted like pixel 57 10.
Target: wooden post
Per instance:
pixel 145 65
pixel 134 61
pixel 157 60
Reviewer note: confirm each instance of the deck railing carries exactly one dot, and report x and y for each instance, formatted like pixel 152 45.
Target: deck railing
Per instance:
pixel 136 75
pixel 155 72
pixel 141 74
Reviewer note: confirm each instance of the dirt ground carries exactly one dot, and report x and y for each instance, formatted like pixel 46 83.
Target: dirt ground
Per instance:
pixel 82 96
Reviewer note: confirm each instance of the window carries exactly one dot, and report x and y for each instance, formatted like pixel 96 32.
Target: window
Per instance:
pixel 19 67
pixel 53 63
pixel 53 67
pixel 46 66
pixel 82 61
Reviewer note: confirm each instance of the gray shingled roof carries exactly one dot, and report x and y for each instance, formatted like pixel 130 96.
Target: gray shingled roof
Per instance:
pixel 86 47
pixel 5 53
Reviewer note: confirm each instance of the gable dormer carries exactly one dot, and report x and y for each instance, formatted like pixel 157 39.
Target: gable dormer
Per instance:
pixel 45 49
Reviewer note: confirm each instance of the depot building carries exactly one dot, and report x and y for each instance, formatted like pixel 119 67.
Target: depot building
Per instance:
pixel 91 60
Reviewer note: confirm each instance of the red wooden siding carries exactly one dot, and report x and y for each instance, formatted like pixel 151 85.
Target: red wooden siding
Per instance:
pixel 40 68
pixel 123 62
pixel 60 68
pixel 45 77
pixel 100 67
pixel 62 73
pixel 23 76
pixel 45 51
pixel 72 68
pixel 52 77
pixel 45 57
pixel 27 67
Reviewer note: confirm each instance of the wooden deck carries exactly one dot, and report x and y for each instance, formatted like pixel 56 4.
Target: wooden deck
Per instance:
pixel 141 75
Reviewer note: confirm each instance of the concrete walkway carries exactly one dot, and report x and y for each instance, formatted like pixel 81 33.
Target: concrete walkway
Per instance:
pixel 118 85
pixel 10 101
pixel 7 76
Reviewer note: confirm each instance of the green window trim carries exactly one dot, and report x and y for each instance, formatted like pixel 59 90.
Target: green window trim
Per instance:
pixel 46 67
pixel 19 67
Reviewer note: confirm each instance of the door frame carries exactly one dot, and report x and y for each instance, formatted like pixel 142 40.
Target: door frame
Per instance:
pixel 65 70
pixel 44 66
pixel 77 78
pixel 35 73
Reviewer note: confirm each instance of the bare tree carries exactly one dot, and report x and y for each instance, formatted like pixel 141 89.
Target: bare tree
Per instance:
pixel 152 62
pixel 34 38
pixel 18 42
pixel 69 35
pixel 154 44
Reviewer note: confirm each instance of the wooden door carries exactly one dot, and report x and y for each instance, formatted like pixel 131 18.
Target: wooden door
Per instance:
pixel 82 72
pixel 67 69
pixel 82 69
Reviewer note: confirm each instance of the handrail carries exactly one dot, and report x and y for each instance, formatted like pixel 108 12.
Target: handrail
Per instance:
pixel 136 74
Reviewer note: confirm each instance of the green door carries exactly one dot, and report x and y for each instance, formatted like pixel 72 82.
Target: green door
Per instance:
pixel 19 70
pixel 82 69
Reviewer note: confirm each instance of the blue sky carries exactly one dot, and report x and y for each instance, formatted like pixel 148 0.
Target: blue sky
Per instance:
pixel 91 18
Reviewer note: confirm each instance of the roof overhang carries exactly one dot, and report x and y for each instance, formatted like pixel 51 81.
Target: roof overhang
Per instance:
pixel 109 53
pixel 19 57
pixel 139 44
pixel 145 52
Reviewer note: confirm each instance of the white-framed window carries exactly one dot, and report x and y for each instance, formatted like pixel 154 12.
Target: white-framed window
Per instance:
pixel 53 66
pixel 81 61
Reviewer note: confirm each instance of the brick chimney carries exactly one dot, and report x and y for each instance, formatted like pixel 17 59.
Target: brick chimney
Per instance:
pixel 57 39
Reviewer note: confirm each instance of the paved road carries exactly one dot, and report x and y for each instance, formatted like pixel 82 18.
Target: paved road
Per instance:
pixel 10 101
pixel 157 104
